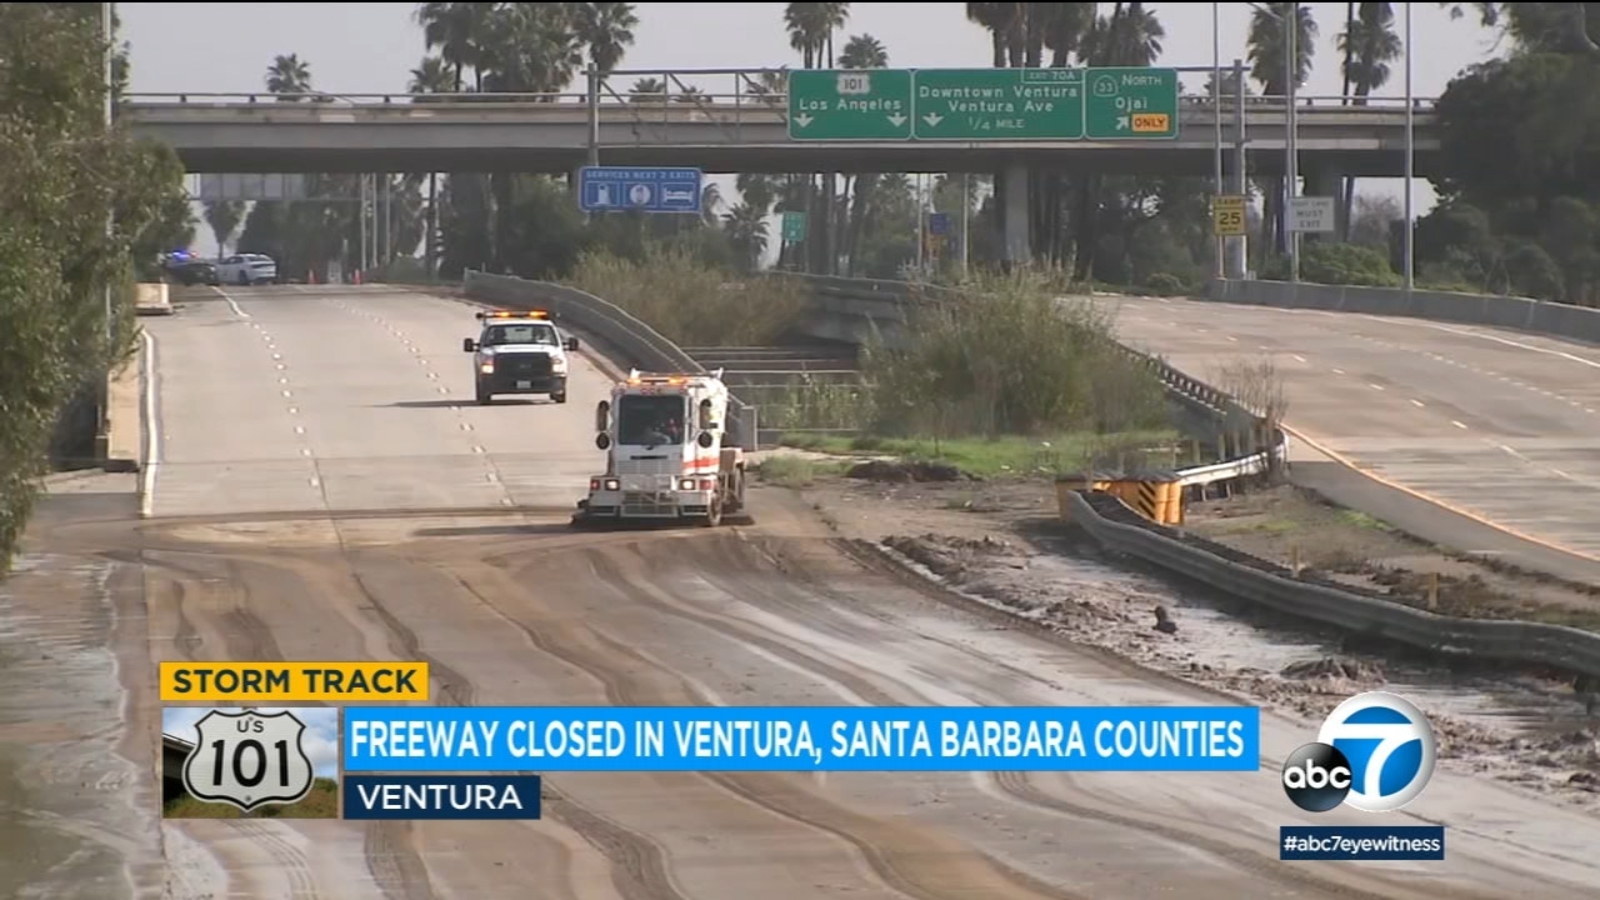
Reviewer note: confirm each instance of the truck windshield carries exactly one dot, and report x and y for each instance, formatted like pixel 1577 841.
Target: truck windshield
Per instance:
pixel 519 334
pixel 650 421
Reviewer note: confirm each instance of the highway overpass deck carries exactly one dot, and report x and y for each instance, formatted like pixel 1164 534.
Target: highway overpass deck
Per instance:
pixel 720 134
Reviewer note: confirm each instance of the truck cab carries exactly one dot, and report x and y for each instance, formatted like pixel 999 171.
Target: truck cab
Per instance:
pixel 669 454
pixel 519 352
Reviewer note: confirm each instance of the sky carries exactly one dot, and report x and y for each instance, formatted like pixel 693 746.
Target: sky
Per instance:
pixel 321 737
pixel 371 48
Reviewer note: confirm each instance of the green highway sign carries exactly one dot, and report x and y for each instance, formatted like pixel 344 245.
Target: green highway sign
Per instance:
pixel 1120 104
pixel 998 104
pixel 794 227
pixel 1131 104
pixel 850 105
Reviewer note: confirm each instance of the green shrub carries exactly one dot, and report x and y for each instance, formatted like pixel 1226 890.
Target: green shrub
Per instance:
pixel 1164 284
pixel 1325 262
pixel 1009 357
pixel 691 303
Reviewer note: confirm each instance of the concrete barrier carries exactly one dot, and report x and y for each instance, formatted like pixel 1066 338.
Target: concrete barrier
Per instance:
pixel 152 300
pixel 1519 313
pixel 629 342
pixel 1119 528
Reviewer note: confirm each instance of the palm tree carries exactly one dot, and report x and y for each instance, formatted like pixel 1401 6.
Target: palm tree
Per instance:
pixel 811 27
pixel 648 90
pixel 1268 58
pixel 433 76
pixel 224 217
pixel 690 94
pixel 773 84
pixel 746 227
pixel 860 52
pixel 607 30
pixel 1065 25
pixel 863 52
pixel 1369 45
pixel 289 75
pixel 458 31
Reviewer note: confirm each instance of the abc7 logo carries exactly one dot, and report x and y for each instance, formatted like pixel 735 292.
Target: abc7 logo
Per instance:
pixel 1375 752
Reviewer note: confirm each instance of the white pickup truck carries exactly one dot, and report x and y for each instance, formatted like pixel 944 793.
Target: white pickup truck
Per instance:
pixel 247 269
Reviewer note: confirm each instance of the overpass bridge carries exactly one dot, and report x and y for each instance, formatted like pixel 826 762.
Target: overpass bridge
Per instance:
pixel 742 128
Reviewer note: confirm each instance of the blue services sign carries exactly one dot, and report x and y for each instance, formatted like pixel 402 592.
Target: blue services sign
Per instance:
pixel 790 739
pixel 610 188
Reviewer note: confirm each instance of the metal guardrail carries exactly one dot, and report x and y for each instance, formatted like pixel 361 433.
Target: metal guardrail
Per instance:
pixel 1116 526
pixel 638 343
pixel 1210 401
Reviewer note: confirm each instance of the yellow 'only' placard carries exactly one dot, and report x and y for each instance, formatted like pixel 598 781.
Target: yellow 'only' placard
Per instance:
pixel 288 682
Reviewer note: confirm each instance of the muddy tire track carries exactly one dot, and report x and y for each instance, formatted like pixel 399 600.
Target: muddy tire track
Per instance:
pixel 287 859
pixel 1015 785
pixel 388 846
pixel 906 861
pixel 1019 787
pixel 640 867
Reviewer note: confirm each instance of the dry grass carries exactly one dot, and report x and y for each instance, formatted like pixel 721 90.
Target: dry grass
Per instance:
pixel 690 303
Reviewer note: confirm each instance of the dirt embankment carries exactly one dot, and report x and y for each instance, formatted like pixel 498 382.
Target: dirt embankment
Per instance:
pixel 1000 542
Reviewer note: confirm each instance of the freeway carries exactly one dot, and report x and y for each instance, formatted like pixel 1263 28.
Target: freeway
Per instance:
pixel 1502 427
pixel 404 548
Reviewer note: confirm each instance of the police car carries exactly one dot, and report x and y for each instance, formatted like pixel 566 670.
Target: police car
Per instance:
pixel 519 353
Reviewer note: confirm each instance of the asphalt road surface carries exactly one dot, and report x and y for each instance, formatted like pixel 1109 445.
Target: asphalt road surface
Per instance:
pixel 244 560
pixel 1503 427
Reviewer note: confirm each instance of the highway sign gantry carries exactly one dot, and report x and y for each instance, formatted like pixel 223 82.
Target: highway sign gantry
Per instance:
pixel 1114 104
pixel 850 105
pixel 998 104
pixel 651 190
pixel 1131 104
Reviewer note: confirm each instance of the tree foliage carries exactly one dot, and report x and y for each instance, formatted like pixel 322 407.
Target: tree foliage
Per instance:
pixel 82 209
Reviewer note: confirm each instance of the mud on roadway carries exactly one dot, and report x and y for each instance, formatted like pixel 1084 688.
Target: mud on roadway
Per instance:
pixel 512 607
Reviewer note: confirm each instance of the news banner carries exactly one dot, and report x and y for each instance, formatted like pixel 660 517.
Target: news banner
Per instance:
pixel 245 739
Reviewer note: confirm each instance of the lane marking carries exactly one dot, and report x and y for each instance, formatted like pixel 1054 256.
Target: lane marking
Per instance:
pixel 466 426
pixel 1299 358
pixel 299 429
pixel 1500 340
pixel 152 429
pixel 1338 371
pixel 305 451
pixel 315 482
pixel 445 390
pixel 1457 424
pixel 1351 464
pixel 476 449
pixel 1376 387
pixel 232 305
pixel 1233 339
pixel 288 394
pixel 294 411
pixel 1513 451
pixel 1418 403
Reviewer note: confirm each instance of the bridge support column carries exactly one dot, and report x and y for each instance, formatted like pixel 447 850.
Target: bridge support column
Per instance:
pixel 1326 180
pixel 1014 231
